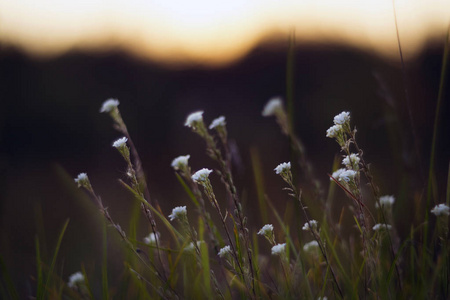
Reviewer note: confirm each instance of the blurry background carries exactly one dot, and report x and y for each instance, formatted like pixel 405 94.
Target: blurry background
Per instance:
pixel 59 60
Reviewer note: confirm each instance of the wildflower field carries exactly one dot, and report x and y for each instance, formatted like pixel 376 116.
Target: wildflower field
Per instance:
pixel 300 233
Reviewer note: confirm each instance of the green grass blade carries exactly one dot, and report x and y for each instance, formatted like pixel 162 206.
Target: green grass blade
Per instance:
pixel 86 282
pixel 187 189
pixel 55 255
pixel 169 226
pixel 204 255
pixel 40 279
pixel 10 288
pixel 259 183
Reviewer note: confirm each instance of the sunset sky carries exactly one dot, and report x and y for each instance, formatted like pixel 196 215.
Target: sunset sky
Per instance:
pixel 216 31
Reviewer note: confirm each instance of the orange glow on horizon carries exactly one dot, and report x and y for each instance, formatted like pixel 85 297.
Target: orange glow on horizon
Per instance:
pixel 216 32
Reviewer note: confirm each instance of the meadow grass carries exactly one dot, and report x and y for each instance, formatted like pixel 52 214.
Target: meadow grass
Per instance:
pixel 211 251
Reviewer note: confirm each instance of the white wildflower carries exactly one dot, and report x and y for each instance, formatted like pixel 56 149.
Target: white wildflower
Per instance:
pixel 120 142
pixel 194 118
pixel 178 213
pixel 272 107
pixel 337 173
pixel 386 201
pixel 201 175
pixel 347 176
pixel 334 131
pixel 279 249
pixel 191 246
pixel 180 162
pixel 322 298
pixel 75 279
pixel 313 223
pixel 82 179
pixel 152 238
pixel 351 160
pixel 220 121
pixel 109 105
pixel 342 118
pixel 441 209
pixel 379 227
pixel 283 167
pixel 266 230
pixel 224 251
pixel 310 246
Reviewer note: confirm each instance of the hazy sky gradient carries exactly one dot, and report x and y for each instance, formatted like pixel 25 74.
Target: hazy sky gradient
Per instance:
pixel 216 31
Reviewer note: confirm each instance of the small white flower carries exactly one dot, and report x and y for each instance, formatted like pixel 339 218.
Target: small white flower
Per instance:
pixel 386 201
pixel 310 246
pixel 441 209
pixel 75 279
pixel 322 298
pixel 313 223
pixel 224 251
pixel 193 118
pixel 220 121
pixel 334 131
pixel 191 247
pixel 337 173
pixel 152 238
pixel 342 118
pixel 266 230
pixel 178 212
pixel 379 227
pixel 201 175
pixel 81 179
pixel 272 107
pixel 347 175
pixel 109 105
pixel 180 162
pixel 283 167
pixel 351 160
pixel 279 249
pixel 120 142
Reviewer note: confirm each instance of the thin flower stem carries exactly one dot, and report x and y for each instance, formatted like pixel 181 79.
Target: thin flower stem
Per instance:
pixel 138 177
pixel 298 196
pixel 105 213
pixel 228 179
pixel 213 200
pixel 375 191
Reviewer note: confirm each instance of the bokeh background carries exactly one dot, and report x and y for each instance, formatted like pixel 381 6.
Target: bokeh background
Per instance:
pixel 59 60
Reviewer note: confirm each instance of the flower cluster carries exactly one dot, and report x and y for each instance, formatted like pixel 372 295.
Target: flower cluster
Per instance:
pixel 351 161
pixel 218 122
pixel 109 105
pixel 279 249
pixel 379 227
pixel 266 230
pixel 75 280
pixel 224 251
pixel 386 201
pixel 178 212
pixel 191 246
pixel 284 170
pixel 152 238
pixel 202 176
pixel 273 107
pixel 82 180
pixel 340 128
pixel 194 119
pixel 310 246
pixel 181 163
pixel 441 210
pixel 313 224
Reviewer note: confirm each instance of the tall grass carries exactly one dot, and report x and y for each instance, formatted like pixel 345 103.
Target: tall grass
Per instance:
pixel 212 252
